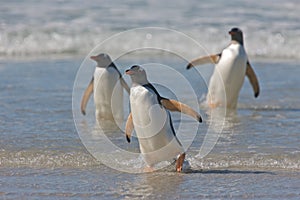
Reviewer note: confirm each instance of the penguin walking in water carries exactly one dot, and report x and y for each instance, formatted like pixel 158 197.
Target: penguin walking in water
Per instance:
pixel 231 66
pixel 107 85
pixel 152 121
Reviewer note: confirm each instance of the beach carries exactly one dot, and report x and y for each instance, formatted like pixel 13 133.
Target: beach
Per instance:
pixel 42 155
pixel 49 150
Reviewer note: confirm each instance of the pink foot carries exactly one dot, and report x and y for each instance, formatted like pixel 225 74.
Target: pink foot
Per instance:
pixel 179 162
pixel 148 169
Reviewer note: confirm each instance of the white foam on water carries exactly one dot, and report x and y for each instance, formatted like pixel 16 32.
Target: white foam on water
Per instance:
pixel 59 28
pixel 284 161
pixel 246 161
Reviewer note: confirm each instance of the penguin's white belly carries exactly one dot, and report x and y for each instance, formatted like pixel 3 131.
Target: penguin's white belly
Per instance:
pixel 108 94
pixel 153 127
pixel 228 77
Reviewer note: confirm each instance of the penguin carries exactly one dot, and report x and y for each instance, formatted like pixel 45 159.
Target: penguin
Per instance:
pixel 152 121
pixel 107 85
pixel 231 66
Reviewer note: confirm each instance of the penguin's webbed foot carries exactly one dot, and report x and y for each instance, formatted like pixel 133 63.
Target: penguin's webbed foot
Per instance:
pixel 148 169
pixel 179 162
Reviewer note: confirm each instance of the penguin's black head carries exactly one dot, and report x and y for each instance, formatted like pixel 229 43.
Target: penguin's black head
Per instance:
pixel 236 35
pixel 103 60
pixel 137 74
pixel 133 69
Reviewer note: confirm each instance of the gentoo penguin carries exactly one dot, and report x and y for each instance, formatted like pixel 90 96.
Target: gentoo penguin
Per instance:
pixel 231 66
pixel 152 122
pixel 107 85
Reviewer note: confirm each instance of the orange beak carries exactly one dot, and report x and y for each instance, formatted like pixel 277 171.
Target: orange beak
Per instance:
pixel 129 72
pixel 93 57
pixel 231 33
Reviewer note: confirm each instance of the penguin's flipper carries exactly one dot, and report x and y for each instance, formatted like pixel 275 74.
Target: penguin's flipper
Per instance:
pixel 129 128
pixel 122 81
pixel 125 85
pixel 203 60
pixel 86 96
pixel 174 105
pixel 253 79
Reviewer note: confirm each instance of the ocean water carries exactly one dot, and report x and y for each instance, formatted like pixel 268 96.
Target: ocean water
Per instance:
pixel 43 72
pixel 59 28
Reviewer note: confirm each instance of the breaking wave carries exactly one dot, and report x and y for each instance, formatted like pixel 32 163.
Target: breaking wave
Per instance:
pixel 62 28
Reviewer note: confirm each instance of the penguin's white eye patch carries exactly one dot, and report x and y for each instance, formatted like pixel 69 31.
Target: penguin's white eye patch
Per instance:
pixel 135 67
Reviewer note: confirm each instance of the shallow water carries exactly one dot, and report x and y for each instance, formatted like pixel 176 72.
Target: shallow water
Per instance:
pixel 42 156
pixel 102 183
